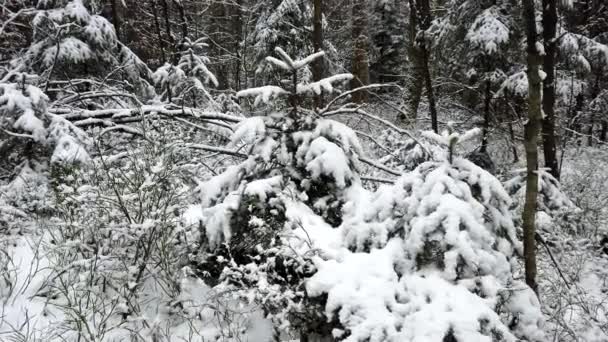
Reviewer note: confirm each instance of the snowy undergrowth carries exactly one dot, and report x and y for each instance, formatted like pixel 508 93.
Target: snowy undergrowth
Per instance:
pixel 90 252
pixel 574 287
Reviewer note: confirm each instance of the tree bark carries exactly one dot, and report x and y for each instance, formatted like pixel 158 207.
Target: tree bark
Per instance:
pixel 161 42
pixel 237 32
pixel 168 30
pixel 182 18
pixel 116 18
pixel 486 117
pixel 532 131
pixel 360 67
pixel 549 135
pixel 420 21
pixel 416 85
pixel 317 42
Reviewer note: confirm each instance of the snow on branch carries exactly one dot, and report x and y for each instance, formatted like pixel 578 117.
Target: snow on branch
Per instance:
pixel 114 113
pixel 488 32
pixel 288 64
pixel 324 85
pixel 307 60
pixel 262 94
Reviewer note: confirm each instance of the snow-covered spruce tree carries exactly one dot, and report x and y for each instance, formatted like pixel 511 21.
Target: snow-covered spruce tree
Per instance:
pixel 297 168
pixel 70 42
pixel 430 258
pixel 29 131
pixel 580 75
pixel 556 212
pixel 185 82
pixel 75 62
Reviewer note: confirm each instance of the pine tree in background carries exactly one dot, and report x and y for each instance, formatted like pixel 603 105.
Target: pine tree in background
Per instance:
pixel 485 34
pixel 187 79
pixel 70 42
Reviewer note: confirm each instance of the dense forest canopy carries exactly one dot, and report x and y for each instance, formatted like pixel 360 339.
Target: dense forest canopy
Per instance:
pixel 304 170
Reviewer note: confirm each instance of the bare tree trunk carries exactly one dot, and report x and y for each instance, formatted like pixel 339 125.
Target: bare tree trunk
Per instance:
pixel 116 18
pixel 420 21
pixel 360 68
pixel 532 131
pixel 430 93
pixel 182 18
pixel 415 56
pixel 317 42
pixel 161 42
pixel 549 136
pixel 513 146
pixel 168 30
pixel 219 30
pixel 237 32
pixel 486 117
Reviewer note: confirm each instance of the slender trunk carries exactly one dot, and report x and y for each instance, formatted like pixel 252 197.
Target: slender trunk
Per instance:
pixel 416 85
pixel 360 68
pixel 486 117
pixel 424 11
pixel 161 42
pixel 430 93
pixel 513 146
pixel 237 32
pixel 317 42
pixel 595 91
pixel 549 135
pixel 532 130
pixel 168 30
pixel 219 29
pixel 420 21
pixel 182 18
pixel 116 18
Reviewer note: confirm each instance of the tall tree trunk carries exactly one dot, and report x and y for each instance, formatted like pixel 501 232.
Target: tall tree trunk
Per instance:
pixel 420 21
pixel 513 145
pixel 486 117
pixel 416 85
pixel 549 135
pixel 116 18
pixel 161 42
pixel 237 32
pixel 360 67
pixel 317 42
pixel 430 93
pixel 219 30
pixel 532 131
pixel 168 30
pixel 182 18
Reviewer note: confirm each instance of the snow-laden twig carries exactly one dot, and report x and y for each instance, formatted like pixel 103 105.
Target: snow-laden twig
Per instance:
pixel 379 166
pixel 210 148
pixel 359 111
pixel 118 115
